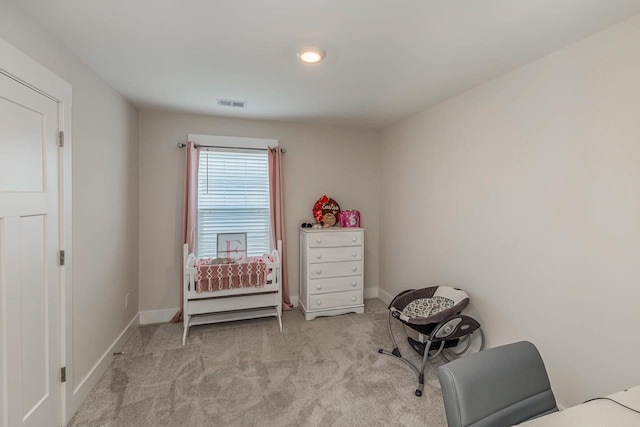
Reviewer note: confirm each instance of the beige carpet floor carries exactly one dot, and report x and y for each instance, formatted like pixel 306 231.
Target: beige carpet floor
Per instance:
pixel 323 372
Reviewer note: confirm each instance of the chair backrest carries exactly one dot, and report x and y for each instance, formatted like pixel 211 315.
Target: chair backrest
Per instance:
pixel 501 386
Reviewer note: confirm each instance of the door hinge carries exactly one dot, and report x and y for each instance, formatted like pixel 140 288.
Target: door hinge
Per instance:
pixel 63 374
pixel 61 139
pixel 61 258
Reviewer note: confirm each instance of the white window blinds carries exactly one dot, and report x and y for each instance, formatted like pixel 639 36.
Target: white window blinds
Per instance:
pixel 233 197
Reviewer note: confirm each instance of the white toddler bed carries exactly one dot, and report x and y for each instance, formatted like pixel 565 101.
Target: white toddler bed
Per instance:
pixel 237 303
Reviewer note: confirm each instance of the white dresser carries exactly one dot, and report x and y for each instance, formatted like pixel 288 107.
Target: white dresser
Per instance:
pixel 331 271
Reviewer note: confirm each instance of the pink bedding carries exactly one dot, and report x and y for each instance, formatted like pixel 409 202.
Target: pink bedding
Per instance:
pixel 228 276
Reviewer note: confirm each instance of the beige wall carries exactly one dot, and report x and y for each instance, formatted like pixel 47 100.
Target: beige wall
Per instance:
pixel 523 191
pixel 526 193
pixel 105 208
pixel 341 162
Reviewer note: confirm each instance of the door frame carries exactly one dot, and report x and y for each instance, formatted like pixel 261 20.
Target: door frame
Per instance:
pixel 18 66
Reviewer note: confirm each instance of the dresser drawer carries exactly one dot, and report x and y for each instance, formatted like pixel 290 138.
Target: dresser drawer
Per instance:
pixel 337 284
pixel 335 269
pixel 337 299
pixel 347 253
pixel 343 238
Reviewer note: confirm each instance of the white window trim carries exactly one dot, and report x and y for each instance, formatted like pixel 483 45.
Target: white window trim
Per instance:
pixel 232 141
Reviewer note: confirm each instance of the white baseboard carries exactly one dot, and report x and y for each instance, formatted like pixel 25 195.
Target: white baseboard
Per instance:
pixel 157 316
pixel 87 384
pixel 385 296
pixel 370 293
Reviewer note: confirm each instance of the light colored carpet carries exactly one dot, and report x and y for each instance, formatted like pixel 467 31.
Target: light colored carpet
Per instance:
pixel 323 372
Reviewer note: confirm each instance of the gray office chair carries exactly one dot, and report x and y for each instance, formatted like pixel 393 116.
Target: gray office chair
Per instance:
pixel 502 386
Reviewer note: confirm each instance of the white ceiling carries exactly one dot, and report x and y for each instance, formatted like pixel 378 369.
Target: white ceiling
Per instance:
pixel 386 59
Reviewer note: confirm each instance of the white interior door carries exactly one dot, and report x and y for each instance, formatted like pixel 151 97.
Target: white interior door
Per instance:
pixel 30 353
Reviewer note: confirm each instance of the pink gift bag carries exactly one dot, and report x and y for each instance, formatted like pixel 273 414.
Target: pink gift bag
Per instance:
pixel 349 218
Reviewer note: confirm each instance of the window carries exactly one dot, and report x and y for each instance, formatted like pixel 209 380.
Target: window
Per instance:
pixel 233 197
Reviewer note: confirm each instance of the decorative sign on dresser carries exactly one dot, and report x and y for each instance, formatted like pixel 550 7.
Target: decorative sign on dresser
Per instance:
pixel 331 271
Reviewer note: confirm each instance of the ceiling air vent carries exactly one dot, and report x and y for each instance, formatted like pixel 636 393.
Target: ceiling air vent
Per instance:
pixel 231 103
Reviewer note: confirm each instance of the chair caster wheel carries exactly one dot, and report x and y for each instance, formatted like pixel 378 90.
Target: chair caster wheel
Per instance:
pixel 380 350
pixel 418 393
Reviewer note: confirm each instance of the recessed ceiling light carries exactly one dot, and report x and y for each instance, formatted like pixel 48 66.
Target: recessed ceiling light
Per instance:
pixel 311 55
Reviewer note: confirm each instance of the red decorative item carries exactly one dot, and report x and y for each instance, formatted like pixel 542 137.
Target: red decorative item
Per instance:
pixel 317 208
pixel 326 211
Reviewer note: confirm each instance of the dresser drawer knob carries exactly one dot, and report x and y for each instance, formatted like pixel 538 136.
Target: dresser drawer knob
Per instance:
pixel 354 269
pixel 353 284
pixel 318 256
pixel 319 271
pixel 318 240
pixel 354 254
pixel 353 299
pixel 318 287
pixel 353 239
pixel 318 302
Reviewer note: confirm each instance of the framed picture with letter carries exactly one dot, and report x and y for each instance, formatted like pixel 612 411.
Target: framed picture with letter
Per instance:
pixel 232 245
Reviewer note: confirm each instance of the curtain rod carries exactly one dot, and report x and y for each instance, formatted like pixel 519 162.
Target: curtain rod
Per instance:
pixel 182 145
